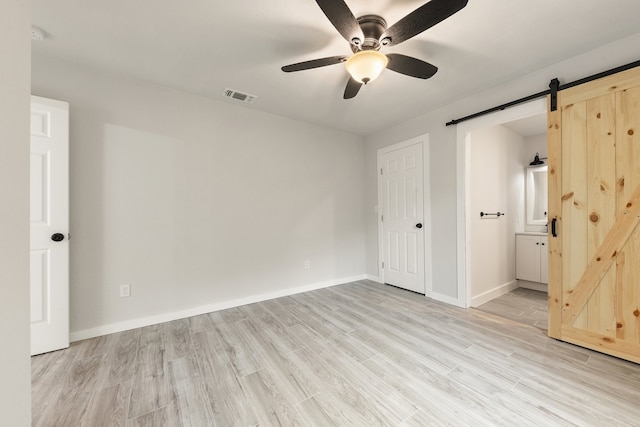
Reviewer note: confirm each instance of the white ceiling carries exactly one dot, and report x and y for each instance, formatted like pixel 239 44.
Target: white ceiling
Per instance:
pixel 205 46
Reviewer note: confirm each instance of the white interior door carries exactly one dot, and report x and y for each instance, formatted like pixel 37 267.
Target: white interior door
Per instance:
pixel 49 284
pixel 403 217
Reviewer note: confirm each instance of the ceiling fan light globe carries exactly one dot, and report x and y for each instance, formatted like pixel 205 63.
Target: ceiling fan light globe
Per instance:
pixel 365 66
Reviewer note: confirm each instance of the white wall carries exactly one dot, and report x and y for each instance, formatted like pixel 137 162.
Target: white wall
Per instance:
pixel 197 202
pixel 535 144
pixel 15 366
pixel 444 203
pixel 496 183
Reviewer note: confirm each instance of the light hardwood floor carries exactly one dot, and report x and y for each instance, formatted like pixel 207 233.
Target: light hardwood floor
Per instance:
pixel 360 354
pixel 521 305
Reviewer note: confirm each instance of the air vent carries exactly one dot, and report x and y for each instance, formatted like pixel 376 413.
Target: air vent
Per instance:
pixel 239 96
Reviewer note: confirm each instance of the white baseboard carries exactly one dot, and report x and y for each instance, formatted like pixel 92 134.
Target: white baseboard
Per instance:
pixel 542 287
pixel 493 293
pixel 196 311
pixel 433 295
pixel 445 298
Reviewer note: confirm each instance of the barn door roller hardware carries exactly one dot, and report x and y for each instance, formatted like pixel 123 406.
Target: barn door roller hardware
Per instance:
pixel 554 88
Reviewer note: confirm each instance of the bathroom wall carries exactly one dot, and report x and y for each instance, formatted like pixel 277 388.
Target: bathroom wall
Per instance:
pixel 535 144
pixel 496 173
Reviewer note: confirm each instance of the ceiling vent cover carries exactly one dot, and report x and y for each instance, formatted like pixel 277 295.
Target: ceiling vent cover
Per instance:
pixel 239 96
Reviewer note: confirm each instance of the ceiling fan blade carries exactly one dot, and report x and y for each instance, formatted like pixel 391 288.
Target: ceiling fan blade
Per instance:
pixel 352 89
pixel 314 63
pixel 410 66
pixel 342 18
pixel 424 17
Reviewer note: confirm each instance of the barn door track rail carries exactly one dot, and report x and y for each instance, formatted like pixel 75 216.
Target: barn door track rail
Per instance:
pixel 554 88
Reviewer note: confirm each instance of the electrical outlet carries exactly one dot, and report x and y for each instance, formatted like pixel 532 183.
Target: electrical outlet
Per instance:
pixel 125 290
pixel 307 264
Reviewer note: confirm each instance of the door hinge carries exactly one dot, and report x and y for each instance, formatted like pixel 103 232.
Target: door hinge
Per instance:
pixel 382 264
pixel 381 171
pixel 382 218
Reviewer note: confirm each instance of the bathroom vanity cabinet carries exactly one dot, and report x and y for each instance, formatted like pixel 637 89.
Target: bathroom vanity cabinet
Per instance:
pixel 532 257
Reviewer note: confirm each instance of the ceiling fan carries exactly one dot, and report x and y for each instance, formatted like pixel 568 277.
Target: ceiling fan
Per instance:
pixel 367 34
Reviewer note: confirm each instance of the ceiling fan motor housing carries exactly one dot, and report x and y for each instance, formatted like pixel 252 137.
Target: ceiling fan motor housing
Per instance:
pixel 373 26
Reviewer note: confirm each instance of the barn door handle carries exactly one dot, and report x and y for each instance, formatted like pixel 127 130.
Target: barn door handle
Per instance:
pixel 553 228
pixel 57 237
pixel 418 225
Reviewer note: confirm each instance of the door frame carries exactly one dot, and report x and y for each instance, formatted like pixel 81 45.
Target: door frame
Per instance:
pixel 463 161
pixel 423 141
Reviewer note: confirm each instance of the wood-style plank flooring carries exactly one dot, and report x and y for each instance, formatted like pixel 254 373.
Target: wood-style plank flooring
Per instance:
pixel 360 354
pixel 521 305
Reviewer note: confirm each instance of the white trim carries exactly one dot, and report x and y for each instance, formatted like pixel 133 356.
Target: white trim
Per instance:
pixel 534 286
pixel 464 286
pixel 447 299
pixel 209 308
pixel 423 140
pixel 493 293
pixel 403 144
pixel 426 212
pixel 461 235
pixel 528 109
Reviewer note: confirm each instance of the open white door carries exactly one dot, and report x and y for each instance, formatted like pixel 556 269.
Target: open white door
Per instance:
pixel 402 217
pixel 49 283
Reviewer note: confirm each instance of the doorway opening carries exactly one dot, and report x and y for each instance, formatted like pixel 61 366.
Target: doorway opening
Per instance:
pixel 492 156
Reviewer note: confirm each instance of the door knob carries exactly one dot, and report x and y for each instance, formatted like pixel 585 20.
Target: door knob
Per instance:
pixel 418 225
pixel 57 237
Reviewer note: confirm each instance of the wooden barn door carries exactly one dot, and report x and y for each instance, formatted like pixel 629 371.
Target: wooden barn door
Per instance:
pixel 594 197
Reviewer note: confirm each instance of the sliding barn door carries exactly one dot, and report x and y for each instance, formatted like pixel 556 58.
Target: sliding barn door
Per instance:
pixel 594 198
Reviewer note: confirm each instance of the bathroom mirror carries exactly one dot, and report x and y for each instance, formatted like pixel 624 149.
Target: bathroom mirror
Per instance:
pixel 537 195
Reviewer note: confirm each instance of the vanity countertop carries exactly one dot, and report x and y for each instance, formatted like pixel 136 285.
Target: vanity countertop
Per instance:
pixel 533 233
